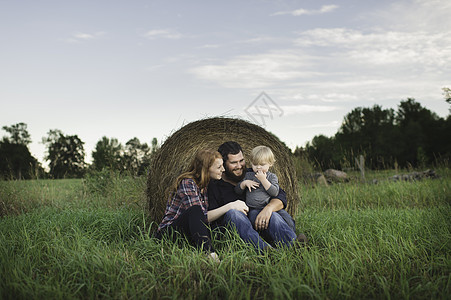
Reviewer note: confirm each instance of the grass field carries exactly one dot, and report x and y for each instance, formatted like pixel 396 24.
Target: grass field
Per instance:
pixel 90 239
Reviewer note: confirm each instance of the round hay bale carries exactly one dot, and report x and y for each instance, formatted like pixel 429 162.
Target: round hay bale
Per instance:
pixel 177 152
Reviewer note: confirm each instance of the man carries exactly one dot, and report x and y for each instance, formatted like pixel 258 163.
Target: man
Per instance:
pixel 227 208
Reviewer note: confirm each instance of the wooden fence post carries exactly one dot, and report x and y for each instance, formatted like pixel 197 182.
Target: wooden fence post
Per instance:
pixel 361 164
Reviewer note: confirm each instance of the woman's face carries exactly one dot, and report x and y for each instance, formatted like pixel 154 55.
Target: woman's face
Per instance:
pixel 216 169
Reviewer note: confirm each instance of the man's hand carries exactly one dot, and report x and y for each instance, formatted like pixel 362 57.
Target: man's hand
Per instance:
pixel 250 184
pixel 262 220
pixel 239 205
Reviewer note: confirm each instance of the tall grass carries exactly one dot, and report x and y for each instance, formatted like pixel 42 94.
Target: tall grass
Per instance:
pixel 389 194
pixel 390 240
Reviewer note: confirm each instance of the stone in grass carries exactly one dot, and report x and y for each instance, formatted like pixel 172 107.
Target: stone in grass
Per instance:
pixel 335 176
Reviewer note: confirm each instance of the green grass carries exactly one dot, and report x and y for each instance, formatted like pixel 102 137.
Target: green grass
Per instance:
pixel 90 239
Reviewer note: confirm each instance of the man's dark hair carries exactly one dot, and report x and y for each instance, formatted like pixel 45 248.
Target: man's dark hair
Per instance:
pixel 229 148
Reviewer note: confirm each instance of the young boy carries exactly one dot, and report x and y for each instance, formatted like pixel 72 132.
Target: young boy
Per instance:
pixel 260 184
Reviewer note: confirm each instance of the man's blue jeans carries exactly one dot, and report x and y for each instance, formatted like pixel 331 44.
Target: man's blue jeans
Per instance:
pixel 278 230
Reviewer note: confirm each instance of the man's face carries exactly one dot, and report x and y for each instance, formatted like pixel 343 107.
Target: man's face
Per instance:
pixel 235 167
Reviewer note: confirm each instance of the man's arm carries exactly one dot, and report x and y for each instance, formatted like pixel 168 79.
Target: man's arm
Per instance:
pixel 262 220
pixel 275 204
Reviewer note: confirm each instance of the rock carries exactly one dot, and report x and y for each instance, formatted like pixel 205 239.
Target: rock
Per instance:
pixel 336 176
pixel 414 176
pixel 321 180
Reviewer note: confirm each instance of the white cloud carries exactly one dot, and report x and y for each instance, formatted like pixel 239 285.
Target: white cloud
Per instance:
pixel 163 33
pixel 324 68
pixel 83 36
pixel 209 46
pixel 333 124
pixel 306 109
pixel 327 97
pixel 79 37
pixel 423 49
pixel 272 111
pixel 256 71
pixel 302 11
pixel 415 15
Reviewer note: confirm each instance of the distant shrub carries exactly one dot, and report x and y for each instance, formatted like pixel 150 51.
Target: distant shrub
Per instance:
pixel 98 182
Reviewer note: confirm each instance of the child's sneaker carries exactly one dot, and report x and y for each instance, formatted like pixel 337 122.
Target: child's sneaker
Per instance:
pixel 214 257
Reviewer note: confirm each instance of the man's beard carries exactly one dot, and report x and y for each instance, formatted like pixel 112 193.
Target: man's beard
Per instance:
pixel 229 174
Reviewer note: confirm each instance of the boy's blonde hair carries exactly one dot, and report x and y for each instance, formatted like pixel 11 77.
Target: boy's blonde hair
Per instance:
pixel 261 155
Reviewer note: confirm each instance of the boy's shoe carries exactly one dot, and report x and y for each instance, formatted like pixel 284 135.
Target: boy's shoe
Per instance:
pixel 302 239
pixel 214 257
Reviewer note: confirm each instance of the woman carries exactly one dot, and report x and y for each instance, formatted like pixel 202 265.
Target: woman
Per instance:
pixel 186 210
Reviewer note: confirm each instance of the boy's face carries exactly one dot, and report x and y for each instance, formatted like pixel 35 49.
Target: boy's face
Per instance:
pixel 261 167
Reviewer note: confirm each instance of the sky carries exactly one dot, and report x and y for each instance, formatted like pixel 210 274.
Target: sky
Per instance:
pixel 139 68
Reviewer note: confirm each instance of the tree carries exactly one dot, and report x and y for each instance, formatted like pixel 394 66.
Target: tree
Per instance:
pixel 418 127
pixel 19 134
pixel 107 154
pixel 447 93
pixel 322 150
pixel 137 156
pixel 65 154
pixel 155 146
pixel 411 136
pixel 367 131
pixel 16 161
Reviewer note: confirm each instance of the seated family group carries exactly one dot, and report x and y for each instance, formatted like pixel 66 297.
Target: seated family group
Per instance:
pixel 219 192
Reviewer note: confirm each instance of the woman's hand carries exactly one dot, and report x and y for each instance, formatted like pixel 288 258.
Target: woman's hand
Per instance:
pixel 239 205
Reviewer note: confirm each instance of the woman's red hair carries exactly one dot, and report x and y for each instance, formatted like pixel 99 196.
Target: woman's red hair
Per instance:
pixel 199 169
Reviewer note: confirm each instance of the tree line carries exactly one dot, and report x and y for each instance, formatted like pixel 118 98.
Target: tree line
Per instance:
pixel 411 136
pixel 66 155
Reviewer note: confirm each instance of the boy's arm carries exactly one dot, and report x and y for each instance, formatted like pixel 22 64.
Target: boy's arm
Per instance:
pixel 270 183
pixel 238 188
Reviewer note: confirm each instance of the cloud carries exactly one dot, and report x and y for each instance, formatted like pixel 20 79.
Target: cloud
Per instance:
pixel 415 15
pixel 306 109
pixel 270 110
pixel 163 33
pixel 323 68
pixel 421 49
pixel 209 46
pixel 333 124
pixel 336 59
pixel 327 97
pixel 79 37
pixel 256 71
pixel 299 12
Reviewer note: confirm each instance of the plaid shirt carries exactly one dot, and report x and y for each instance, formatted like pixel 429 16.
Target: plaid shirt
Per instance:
pixel 188 194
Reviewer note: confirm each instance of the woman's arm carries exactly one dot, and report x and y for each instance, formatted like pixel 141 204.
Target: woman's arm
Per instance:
pixel 215 214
